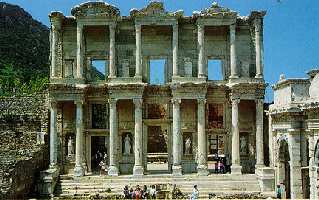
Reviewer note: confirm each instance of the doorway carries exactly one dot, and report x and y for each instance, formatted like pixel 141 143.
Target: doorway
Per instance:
pixel 98 152
pixel 157 150
pixel 284 168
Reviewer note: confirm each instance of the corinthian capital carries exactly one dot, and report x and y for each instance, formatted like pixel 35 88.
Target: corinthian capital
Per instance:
pixel 138 102
pixel 176 101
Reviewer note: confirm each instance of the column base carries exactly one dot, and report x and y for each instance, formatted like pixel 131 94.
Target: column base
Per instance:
pixel 202 170
pixel 138 170
pixel 233 76
pixel 266 178
pixel 236 169
pixel 202 76
pixel 78 171
pixel 259 76
pixel 177 170
pixel 258 166
pixel 113 171
pixel 111 76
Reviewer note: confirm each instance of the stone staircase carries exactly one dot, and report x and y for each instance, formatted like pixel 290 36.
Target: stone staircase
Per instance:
pixel 220 185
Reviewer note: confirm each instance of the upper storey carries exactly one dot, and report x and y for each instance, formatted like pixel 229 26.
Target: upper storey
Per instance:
pixel 98 45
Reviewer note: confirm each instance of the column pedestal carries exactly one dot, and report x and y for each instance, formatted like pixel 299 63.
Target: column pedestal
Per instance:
pixel 177 170
pixel 236 169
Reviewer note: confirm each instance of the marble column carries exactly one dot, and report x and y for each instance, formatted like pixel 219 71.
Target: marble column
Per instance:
pixel 138 169
pixel 259 133
pixel 202 168
pixel 112 55
pixel 175 50
pixel 80 49
pixel 270 141
pixel 138 36
pixel 235 167
pixel 177 138
pixel 55 27
pixel 79 170
pixel 233 61
pixel 201 51
pixel 53 135
pixel 113 167
pixel 258 46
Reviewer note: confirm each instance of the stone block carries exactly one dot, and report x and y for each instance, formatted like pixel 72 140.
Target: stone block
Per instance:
pixel 236 169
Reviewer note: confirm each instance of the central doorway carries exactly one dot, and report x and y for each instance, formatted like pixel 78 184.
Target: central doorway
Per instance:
pixel 284 167
pixel 157 150
pixel 98 152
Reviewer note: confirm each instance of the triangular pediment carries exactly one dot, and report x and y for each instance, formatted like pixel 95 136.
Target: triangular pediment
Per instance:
pixel 95 9
pixel 154 9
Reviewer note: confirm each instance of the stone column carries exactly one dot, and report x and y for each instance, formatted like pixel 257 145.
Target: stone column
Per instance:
pixel 113 168
pixel 202 168
pixel 235 167
pixel 233 61
pixel 79 170
pixel 201 51
pixel 138 169
pixel 270 141
pixel 55 27
pixel 80 49
pixel 53 135
pixel 177 138
pixel 175 50
pixel 112 51
pixel 138 36
pixel 260 133
pixel 258 45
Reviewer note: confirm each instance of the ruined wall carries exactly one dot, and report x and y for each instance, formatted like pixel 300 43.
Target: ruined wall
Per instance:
pixel 23 150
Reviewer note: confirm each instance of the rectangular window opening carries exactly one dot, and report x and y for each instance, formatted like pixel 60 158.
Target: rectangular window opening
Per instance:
pixel 99 69
pixel 157 72
pixel 215 71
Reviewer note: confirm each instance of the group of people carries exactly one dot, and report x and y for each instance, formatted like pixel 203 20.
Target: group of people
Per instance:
pixel 138 193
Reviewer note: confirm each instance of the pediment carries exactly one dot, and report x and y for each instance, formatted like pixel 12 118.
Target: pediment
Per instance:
pixel 155 9
pixel 215 10
pixel 95 9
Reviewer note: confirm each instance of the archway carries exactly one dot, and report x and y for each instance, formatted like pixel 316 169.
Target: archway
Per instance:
pixel 284 167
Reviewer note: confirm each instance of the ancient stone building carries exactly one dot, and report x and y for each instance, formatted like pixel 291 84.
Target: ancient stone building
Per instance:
pixel 132 113
pixel 293 141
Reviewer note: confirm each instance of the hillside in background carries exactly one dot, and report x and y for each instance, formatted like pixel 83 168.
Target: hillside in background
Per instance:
pixel 24 51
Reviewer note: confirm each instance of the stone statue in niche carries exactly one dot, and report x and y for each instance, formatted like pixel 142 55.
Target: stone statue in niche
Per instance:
pixel 127 145
pixel 188 144
pixel 70 147
pixel 188 67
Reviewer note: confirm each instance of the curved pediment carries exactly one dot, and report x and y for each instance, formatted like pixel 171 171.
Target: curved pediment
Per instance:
pixel 215 10
pixel 95 9
pixel 155 9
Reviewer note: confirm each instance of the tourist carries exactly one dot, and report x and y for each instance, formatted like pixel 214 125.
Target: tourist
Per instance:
pixel 195 193
pixel 138 192
pixel 131 194
pixel 153 192
pixel 278 192
pixel 102 168
pixel 221 167
pixel 126 192
pixel 144 192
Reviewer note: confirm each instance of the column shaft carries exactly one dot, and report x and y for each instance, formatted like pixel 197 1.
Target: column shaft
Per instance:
pixel 138 68
pixel 259 133
pixel 138 167
pixel 113 168
pixel 79 54
pixel 258 46
pixel 112 51
pixel 202 168
pixel 79 170
pixel 233 61
pixel 201 50
pixel 53 50
pixel 53 135
pixel 175 50
pixel 235 168
pixel 177 141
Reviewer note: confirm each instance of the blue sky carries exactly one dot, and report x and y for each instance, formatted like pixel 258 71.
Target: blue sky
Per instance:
pixel 291 27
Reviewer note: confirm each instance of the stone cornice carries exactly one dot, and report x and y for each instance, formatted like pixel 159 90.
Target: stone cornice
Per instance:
pixel 95 9
pixel 248 90
pixel 126 91
pixel 287 82
pixel 189 90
